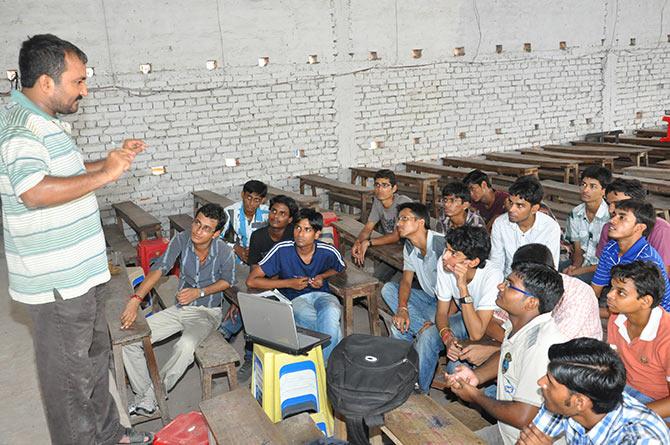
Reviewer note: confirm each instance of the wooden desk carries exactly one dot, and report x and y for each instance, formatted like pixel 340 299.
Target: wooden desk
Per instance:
pixel 663 164
pixel 456 173
pixel 605 161
pixel 652 185
pixel 652 132
pixel 349 228
pixel 117 241
pixel 422 181
pixel 302 200
pixel 139 220
pixel 649 141
pixel 179 223
pixel 116 292
pixel 236 418
pixel 317 181
pixel 509 168
pixel 561 191
pixel 648 172
pixel 202 197
pixel 570 167
pixel 637 155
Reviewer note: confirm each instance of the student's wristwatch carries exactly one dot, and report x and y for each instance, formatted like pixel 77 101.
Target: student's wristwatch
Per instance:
pixel 202 293
pixel 466 300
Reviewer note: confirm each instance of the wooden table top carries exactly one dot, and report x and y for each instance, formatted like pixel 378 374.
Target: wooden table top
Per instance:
pixel 136 217
pixel 116 293
pixel 392 254
pixel 578 157
pixel 442 170
pixel 498 166
pixel 648 172
pixel 334 184
pixel 652 132
pixel 543 161
pixel 590 147
pixel 208 196
pixel 302 200
pixel 368 172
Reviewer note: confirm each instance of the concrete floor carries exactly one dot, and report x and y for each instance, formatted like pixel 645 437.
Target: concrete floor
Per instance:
pixel 22 418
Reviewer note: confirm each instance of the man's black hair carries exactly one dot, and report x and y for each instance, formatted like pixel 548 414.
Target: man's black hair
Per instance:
pixel 589 367
pixel 255 186
pixel 474 242
pixel 458 190
pixel 214 211
pixel 418 210
pixel 527 188
pixel 599 173
pixel 533 253
pixel 45 54
pixel 476 177
pixel 643 211
pixel 386 174
pixel 629 187
pixel 314 218
pixel 645 275
pixel 288 202
pixel 543 282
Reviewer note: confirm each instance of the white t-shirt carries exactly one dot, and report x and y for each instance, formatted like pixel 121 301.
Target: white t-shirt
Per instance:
pixel 483 288
pixel 506 238
pixel 523 360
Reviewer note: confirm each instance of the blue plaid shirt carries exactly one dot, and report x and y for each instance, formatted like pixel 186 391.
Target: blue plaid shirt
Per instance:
pixel 629 423
pixel 219 265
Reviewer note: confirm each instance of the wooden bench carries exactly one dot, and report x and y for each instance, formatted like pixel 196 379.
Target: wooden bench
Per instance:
pixel 354 284
pixel 652 132
pixel 179 223
pixel 649 141
pixel 648 172
pixel 215 356
pixel 560 191
pixel 333 185
pixel 421 181
pixel 352 202
pixel 116 293
pixel 117 241
pixel 141 221
pixel 418 421
pixel 605 161
pixel 663 164
pixel 637 155
pixel 653 185
pixel 509 168
pixel 202 197
pixel 453 173
pixel 570 167
pixel 235 417
pixel 302 200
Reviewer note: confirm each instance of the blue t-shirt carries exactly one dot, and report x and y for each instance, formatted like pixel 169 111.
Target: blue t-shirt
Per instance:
pixel 640 251
pixel 283 260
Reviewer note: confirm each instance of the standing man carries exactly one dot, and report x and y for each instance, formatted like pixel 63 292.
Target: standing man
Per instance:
pixel 54 243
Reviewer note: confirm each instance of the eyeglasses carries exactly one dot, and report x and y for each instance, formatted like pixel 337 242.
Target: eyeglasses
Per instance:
pixel 507 285
pixel 443 201
pixel 383 185
pixel 407 218
pixel 197 225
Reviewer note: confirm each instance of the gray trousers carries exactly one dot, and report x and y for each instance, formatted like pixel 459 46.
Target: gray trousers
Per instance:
pixel 195 324
pixel 72 352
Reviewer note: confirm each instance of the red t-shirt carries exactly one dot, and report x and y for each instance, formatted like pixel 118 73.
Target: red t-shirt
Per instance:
pixel 647 358
pixel 498 207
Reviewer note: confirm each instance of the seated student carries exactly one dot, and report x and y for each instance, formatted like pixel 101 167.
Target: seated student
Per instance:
pixel 576 313
pixel 302 268
pixel 584 400
pixel 413 308
pixel 523 224
pixel 488 202
pixel 384 213
pixel 528 295
pixel 456 211
pixel 207 268
pixel 585 223
pixel 468 283
pixel 632 221
pixel 639 331
pixel 659 237
pixel 246 216
pixel 282 212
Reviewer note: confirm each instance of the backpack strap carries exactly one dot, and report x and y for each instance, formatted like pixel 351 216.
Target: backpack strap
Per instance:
pixel 356 431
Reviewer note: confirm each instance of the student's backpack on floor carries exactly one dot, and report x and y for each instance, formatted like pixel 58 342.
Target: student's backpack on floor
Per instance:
pixel 368 376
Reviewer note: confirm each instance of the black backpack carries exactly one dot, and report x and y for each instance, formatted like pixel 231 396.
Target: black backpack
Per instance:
pixel 368 376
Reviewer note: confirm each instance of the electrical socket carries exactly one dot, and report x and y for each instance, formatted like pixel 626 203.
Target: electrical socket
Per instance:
pixel 158 170
pixel 145 68
pixel 211 65
pixel 232 162
pixel 90 72
pixel 11 74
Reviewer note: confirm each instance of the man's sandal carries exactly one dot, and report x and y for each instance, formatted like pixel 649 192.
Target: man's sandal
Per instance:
pixel 137 437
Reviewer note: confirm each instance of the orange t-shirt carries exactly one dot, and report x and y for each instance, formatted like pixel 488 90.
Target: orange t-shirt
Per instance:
pixel 647 358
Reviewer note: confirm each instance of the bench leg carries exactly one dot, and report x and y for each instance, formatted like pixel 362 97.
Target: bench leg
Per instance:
pixel 348 315
pixel 120 375
pixel 156 379
pixel 206 383
pixel 373 312
pixel 231 372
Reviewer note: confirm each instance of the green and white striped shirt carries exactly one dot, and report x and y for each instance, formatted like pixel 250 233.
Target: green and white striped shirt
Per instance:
pixel 60 247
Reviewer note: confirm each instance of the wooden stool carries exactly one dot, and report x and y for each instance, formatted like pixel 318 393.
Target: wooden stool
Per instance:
pixel 353 284
pixel 215 356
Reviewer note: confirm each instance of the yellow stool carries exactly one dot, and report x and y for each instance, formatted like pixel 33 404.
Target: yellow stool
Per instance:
pixel 286 384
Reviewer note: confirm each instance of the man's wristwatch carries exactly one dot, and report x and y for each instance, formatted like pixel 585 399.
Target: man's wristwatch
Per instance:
pixel 202 293
pixel 466 300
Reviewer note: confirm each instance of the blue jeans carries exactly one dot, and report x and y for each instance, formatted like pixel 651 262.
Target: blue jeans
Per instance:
pixel 421 307
pixel 320 312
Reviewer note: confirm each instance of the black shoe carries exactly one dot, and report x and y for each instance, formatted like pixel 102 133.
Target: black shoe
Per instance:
pixel 244 373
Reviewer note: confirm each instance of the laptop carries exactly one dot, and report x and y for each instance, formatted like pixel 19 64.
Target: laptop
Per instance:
pixel 269 321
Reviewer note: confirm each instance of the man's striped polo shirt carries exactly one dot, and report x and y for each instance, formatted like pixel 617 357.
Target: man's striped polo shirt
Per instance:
pixel 60 247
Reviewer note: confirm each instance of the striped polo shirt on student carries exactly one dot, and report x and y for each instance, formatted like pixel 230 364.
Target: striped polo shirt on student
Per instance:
pixel 61 247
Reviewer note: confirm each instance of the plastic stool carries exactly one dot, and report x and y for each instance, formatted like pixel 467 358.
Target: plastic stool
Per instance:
pixel 285 384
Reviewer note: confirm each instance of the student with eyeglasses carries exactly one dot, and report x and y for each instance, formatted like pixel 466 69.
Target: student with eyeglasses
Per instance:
pixel 383 215
pixel 207 268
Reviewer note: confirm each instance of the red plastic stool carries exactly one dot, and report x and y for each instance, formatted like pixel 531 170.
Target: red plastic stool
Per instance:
pixel 185 429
